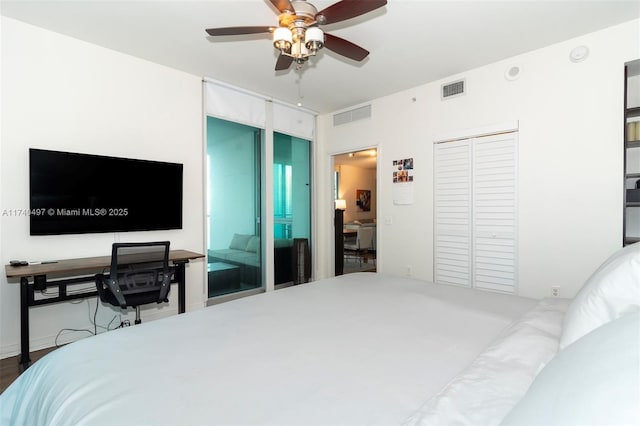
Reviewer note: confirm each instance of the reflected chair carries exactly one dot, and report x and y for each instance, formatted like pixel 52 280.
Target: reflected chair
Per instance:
pixel 360 246
pixel 139 275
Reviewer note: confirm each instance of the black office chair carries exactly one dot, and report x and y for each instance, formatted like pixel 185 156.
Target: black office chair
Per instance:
pixel 139 275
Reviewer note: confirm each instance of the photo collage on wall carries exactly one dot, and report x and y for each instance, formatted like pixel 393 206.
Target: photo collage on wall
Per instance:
pixel 403 181
pixel 403 170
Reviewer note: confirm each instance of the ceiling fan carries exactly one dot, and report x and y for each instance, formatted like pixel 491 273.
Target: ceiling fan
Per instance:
pixel 298 36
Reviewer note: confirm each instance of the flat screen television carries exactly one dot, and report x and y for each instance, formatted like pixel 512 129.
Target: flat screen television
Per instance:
pixel 72 193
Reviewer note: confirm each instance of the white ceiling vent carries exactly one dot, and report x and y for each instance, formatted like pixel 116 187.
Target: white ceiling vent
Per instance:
pixel 352 115
pixel 451 90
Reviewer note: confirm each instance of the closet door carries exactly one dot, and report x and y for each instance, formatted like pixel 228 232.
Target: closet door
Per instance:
pixel 494 212
pixel 475 212
pixel 453 213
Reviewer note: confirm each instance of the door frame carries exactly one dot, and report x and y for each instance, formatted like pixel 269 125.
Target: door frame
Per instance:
pixel 331 163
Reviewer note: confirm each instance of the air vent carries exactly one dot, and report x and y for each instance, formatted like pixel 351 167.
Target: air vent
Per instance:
pixel 352 115
pixel 450 90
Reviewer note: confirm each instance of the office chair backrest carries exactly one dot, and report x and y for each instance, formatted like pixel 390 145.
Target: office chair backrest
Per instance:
pixel 139 268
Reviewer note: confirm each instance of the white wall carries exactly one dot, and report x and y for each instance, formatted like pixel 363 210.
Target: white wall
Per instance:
pixel 63 94
pixel 570 166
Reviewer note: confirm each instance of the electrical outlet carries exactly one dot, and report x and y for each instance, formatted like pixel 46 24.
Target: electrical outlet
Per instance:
pixel 555 291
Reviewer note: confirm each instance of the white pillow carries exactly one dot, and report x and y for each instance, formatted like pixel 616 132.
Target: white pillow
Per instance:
pixel 239 241
pixel 612 290
pixel 592 382
pixel 484 392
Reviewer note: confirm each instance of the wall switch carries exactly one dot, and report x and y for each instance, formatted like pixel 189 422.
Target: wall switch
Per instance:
pixel 555 291
pixel 388 221
pixel 408 271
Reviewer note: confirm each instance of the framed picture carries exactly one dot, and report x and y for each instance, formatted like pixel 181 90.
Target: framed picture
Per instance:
pixel 363 199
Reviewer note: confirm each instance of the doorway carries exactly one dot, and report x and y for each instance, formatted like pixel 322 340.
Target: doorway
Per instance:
pixel 355 182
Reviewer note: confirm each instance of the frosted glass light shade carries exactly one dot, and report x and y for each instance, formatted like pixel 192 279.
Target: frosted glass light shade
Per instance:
pixel 313 38
pixel 282 38
pixel 341 204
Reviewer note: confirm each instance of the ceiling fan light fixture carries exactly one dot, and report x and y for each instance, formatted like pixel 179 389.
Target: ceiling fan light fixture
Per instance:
pixel 298 36
pixel 314 39
pixel 282 39
pixel 300 52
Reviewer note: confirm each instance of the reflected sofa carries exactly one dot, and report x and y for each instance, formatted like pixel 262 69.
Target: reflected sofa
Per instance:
pixel 244 252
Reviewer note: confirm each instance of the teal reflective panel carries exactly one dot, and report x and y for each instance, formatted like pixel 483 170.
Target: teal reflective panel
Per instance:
pixel 233 207
pixel 291 201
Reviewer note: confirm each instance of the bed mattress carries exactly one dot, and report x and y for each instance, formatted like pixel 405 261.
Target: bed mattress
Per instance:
pixel 357 349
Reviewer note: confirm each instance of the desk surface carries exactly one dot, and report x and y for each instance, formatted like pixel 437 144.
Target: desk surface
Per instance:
pixel 67 266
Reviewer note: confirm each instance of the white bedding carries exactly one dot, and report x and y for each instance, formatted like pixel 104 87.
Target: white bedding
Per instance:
pixel 485 392
pixel 357 349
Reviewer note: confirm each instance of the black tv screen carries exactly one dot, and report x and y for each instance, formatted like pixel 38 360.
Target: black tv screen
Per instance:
pixel 72 193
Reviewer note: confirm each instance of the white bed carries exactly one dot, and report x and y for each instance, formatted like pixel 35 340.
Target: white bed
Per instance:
pixel 361 349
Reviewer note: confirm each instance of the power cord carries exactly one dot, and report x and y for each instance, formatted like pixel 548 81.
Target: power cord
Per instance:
pixel 46 293
pixel 92 321
pixel 72 330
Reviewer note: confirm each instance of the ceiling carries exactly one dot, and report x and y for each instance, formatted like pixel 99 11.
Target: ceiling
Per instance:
pixel 411 42
pixel 366 159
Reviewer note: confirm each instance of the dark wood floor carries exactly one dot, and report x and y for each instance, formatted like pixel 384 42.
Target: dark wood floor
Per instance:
pixel 10 370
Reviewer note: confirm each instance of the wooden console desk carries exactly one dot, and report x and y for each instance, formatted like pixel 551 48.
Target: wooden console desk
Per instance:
pixel 81 270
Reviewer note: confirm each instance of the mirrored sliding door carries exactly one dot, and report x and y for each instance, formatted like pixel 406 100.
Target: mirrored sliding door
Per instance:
pixel 233 207
pixel 292 208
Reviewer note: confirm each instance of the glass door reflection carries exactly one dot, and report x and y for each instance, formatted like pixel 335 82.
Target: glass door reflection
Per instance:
pixel 292 204
pixel 233 207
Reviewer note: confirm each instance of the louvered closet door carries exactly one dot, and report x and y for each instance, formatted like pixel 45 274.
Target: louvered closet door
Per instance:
pixel 494 212
pixel 475 212
pixel 453 218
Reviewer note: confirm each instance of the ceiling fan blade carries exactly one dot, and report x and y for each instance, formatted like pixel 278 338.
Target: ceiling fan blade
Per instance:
pixel 284 62
pixel 227 31
pixel 347 9
pixel 282 5
pixel 344 47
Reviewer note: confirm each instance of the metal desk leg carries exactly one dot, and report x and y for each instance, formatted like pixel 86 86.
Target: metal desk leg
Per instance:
pixel 180 278
pixel 25 361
